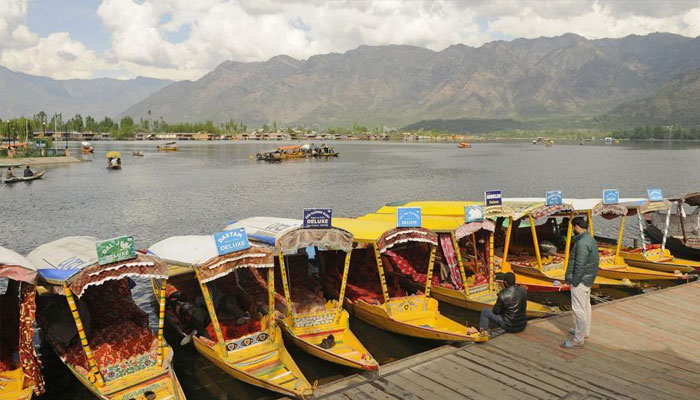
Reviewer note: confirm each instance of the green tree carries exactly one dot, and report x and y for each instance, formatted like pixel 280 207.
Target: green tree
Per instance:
pixel 91 124
pixel 126 127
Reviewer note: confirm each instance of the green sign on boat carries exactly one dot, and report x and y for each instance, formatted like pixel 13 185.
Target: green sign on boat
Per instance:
pixel 117 249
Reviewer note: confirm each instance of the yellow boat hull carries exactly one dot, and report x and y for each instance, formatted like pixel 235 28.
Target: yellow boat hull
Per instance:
pixel 267 365
pixel 410 316
pixel 348 350
pixel 657 260
pixel 160 380
pixel 487 299
pixel 618 269
pixel 13 386
pixel 560 275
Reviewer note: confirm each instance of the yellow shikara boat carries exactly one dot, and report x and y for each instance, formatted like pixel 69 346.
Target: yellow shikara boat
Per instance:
pixel 648 262
pixel 370 298
pixel 114 160
pixel 250 350
pixel 456 209
pixel 648 256
pixel 290 152
pixel 460 241
pixel 119 357
pixel 552 266
pixel 22 379
pixel 170 146
pixel 318 326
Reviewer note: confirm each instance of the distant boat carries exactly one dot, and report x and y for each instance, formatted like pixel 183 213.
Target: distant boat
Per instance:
pixel 136 153
pixel 16 179
pixel 114 160
pixel 464 145
pixel 170 146
pixel 87 148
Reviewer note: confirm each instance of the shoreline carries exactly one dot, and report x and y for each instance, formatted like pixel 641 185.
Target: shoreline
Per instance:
pixel 7 162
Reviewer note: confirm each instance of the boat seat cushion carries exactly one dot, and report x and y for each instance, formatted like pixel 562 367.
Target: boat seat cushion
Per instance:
pixel 111 304
pixel 231 330
pixel 398 263
pixel 117 349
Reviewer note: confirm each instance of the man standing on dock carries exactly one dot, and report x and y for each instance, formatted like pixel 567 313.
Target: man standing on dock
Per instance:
pixel 580 274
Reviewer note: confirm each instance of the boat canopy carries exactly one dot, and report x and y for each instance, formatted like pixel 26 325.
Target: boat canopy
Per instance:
pixel 73 260
pixel 86 144
pixel 610 211
pixel 546 211
pixel 449 208
pixel 384 234
pixel 114 154
pixel 265 229
pixel 437 223
pixel 199 252
pixel 578 205
pixel 16 267
pixel 514 210
pixel 467 229
pixel 294 147
pixel 692 199
pixel 329 239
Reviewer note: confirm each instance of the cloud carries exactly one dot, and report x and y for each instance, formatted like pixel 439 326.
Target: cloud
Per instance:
pixel 209 32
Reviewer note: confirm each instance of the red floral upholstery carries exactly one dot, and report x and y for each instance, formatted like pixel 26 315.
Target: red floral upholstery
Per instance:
pixel 9 327
pixel 111 304
pixel 232 330
pixel 113 344
pixel 405 264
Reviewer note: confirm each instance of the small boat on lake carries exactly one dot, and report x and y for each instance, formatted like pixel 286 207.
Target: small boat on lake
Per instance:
pixel 89 318
pixel 318 325
pixel 681 229
pixel 20 368
pixel 464 145
pixel 16 179
pixel 137 153
pixel 282 153
pixel 87 148
pixel 249 348
pixel 377 297
pixel 170 146
pixel 114 160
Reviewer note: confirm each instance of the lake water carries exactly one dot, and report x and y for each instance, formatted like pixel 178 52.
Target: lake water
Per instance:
pixel 201 187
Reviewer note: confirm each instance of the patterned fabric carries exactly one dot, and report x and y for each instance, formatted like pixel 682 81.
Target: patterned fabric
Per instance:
pixel 405 265
pixel 402 235
pixel 31 364
pixel 330 239
pixel 232 330
pixel 545 211
pixel 118 350
pixel 253 257
pixel 448 251
pixel 9 326
pixel 111 304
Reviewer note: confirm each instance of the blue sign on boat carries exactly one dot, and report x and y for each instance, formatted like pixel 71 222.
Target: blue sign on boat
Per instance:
pixel 611 196
pixel 230 241
pixel 493 198
pixel 317 217
pixel 474 213
pixel 554 198
pixel 655 195
pixel 408 217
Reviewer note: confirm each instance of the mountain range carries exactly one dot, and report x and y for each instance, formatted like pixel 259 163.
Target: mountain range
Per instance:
pixel 627 81
pixel 25 95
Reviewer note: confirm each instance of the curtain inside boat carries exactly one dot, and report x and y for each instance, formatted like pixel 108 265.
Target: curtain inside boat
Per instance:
pixel 448 251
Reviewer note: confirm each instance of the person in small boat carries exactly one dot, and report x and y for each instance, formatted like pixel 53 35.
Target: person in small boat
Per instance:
pixel 510 310
pixel 227 307
pixel 8 174
pixel 191 315
pixel 28 172
pixel 580 274
pixel 62 331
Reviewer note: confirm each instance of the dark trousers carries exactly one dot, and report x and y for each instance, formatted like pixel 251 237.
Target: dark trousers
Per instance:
pixel 487 316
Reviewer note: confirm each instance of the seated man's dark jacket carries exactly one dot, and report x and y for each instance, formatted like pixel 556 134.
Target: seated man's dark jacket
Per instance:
pixel 511 305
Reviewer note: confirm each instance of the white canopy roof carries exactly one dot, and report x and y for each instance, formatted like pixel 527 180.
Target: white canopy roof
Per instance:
pixel 185 250
pixel 15 266
pixel 266 226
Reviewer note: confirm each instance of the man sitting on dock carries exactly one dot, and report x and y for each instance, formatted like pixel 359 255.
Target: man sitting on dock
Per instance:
pixel 510 310
pixel 580 274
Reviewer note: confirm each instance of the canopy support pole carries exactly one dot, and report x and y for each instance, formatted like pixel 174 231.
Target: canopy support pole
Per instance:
pixel 161 320
pixel 506 246
pixel 429 277
pixel 460 263
pixel 212 314
pixel 95 376
pixel 567 250
pixel 589 214
pixel 534 241
pixel 668 221
pixel 619 237
pixel 492 283
pixel 287 297
pixel 641 232
pixel 681 217
pixel 382 277
pixel 476 253
pixel 271 303
pixel 343 284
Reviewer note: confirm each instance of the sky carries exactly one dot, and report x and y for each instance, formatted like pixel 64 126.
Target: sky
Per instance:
pixel 185 39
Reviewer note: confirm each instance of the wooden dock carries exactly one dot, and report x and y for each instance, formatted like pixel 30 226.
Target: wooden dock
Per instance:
pixel 641 347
